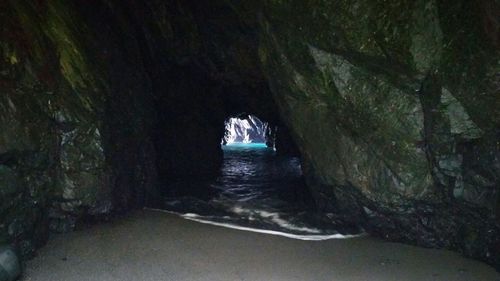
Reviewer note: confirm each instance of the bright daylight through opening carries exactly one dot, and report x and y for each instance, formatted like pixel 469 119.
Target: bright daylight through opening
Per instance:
pixel 246 130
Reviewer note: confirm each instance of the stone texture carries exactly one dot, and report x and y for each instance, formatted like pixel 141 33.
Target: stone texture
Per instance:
pixel 100 106
pixel 390 105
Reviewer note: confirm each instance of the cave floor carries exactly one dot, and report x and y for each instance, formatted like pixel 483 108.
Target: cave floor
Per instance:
pixel 151 245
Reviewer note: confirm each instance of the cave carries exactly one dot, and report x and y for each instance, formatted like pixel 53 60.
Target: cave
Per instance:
pixel 375 127
pixel 247 129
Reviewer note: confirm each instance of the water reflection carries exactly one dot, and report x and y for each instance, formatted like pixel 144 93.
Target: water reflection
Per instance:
pixel 256 189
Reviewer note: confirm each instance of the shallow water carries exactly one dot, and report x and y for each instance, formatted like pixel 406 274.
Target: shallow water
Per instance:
pixel 256 190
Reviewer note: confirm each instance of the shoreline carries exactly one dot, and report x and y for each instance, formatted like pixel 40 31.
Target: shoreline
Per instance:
pixel 153 245
pixel 309 237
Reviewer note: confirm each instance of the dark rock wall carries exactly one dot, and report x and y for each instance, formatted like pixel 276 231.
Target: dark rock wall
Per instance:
pixel 188 129
pixel 395 108
pixel 50 140
pixel 103 101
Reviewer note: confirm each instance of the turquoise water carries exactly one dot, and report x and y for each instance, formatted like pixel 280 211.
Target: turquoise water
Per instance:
pixel 245 145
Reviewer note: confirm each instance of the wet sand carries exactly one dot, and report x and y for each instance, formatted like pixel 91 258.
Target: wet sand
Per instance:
pixel 151 245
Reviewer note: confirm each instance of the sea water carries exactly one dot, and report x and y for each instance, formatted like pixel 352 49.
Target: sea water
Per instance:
pixel 259 191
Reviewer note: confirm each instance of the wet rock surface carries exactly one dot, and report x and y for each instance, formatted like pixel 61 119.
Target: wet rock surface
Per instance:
pixel 395 113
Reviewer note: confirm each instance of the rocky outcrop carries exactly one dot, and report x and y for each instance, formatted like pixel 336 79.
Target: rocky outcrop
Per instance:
pixel 246 129
pixel 104 101
pixel 395 108
pixel 50 146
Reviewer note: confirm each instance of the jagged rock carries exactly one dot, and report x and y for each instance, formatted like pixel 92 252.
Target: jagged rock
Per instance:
pixel 392 114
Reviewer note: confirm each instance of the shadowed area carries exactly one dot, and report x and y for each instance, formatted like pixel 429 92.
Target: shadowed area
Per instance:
pixel 140 248
pixel 258 189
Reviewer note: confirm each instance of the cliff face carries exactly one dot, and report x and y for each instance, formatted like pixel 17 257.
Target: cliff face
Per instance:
pixel 51 104
pixel 394 106
pixel 103 101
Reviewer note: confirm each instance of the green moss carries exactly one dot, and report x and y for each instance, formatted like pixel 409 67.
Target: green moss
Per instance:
pixel 470 62
pixel 12 57
pixel 426 36
pixel 62 30
pixel 355 68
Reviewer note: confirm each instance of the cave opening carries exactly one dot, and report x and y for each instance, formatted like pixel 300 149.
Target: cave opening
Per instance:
pixel 259 185
pixel 247 130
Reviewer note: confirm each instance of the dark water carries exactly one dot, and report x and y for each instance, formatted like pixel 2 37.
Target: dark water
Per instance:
pixel 258 190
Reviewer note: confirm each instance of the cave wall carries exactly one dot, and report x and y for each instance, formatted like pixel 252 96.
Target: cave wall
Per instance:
pixel 395 108
pixel 75 123
pixel 51 153
pixel 104 101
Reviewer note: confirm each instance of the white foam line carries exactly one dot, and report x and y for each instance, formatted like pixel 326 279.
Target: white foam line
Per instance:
pixel 194 217
pixel 274 217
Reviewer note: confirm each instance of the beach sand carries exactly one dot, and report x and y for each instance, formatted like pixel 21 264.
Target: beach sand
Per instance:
pixel 152 245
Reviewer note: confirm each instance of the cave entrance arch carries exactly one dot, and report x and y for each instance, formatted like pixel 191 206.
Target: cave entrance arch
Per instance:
pixel 247 130
pixel 259 187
